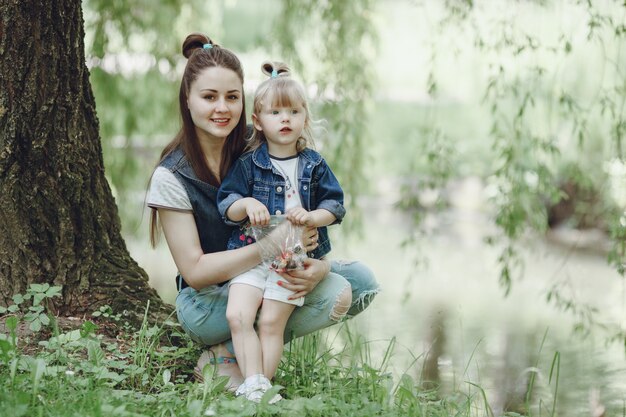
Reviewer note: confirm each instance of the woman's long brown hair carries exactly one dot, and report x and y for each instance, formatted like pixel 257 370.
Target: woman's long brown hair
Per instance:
pixel 199 59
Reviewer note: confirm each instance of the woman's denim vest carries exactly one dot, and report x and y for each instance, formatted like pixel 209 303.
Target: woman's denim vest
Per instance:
pixel 253 175
pixel 212 231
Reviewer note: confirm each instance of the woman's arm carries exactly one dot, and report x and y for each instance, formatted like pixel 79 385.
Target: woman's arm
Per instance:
pixel 200 269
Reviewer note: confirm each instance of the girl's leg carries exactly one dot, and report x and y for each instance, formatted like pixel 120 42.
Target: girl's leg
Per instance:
pixel 243 303
pixel 271 324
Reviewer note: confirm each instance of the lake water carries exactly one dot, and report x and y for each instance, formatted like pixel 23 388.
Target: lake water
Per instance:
pixel 453 311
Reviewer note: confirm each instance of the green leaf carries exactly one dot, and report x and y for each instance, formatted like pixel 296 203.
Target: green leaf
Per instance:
pixel 11 323
pixel 195 407
pixel 37 298
pixel 13 308
pixel 18 299
pixel 38 288
pixel 3 310
pixel 35 325
pixel 167 375
pixel 113 376
pixel 6 348
pixel 68 337
pixel 38 367
pixel 95 352
pixel 54 291
pixel 87 328
pixel 45 320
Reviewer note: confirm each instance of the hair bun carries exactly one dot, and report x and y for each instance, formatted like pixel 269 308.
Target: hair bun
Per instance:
pixel 195 41
pixel 268 67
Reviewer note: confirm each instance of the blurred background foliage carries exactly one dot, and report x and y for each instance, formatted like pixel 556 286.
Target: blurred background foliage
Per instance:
pixel 133 50
pixel 526 96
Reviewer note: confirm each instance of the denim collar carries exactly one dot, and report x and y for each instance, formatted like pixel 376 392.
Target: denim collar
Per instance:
pixel 261 156
pixel 176 162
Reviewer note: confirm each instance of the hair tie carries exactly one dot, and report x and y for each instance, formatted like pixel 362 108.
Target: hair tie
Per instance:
pixel 274 73
pixel 207 46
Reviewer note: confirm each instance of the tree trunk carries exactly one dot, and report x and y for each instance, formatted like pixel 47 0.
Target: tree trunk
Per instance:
pixel 58 220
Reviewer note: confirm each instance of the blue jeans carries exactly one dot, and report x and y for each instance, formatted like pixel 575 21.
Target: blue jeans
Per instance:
pixel 202 314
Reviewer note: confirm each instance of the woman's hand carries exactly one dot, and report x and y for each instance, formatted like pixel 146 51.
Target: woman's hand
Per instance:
pixel 310 238
pixel 303 281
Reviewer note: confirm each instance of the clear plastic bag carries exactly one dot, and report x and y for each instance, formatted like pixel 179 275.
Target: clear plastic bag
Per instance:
pixel 280 243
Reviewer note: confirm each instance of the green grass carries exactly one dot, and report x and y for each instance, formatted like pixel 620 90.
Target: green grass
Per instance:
pixel 147 372
pixel 85 371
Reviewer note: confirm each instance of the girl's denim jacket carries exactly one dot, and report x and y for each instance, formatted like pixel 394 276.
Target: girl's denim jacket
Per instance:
pixel 253 175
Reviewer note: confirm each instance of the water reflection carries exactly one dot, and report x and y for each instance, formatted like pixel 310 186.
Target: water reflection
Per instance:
pixel 520 350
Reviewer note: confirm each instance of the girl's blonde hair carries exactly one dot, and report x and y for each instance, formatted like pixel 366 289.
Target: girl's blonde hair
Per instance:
pixel 280 90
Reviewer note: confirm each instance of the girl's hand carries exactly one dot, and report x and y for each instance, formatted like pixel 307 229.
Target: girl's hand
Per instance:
pixel 303 281
pixel 257 213
pixel 300 217
pixel 310 238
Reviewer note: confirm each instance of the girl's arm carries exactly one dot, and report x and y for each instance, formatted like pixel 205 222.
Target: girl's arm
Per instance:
pixel 250 208
pixel 197 268
pixel 314 218
pixel 328 208
pixel 329 195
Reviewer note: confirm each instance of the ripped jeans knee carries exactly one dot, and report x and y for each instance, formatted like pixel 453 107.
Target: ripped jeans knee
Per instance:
pixel 342 304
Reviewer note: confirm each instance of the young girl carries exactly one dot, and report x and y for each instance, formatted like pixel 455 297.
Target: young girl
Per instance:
pixel 280 175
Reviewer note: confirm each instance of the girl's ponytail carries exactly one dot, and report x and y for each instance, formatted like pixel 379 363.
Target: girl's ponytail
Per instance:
pixel 274 69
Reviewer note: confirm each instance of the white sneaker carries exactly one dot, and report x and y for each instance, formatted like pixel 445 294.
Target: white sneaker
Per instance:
pixel 241 390
pixel 255 396
pixel 249 385
pixel 265 385
pixel 254 387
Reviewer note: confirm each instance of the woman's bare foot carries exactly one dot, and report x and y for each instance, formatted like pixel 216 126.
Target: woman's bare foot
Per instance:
pixel 224 364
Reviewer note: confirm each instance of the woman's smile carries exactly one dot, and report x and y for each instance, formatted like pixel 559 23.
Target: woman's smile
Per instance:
pixel 221 122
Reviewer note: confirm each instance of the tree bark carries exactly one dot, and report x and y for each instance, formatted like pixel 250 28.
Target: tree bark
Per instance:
pixel 58 220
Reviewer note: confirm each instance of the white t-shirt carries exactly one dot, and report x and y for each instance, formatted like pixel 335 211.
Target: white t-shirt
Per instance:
pixel 289 170
pixel 166 191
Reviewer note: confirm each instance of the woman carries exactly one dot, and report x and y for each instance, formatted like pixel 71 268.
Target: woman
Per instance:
pixel 182 196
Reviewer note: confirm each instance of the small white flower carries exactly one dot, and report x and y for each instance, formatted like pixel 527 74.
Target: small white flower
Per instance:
pixel 69 373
